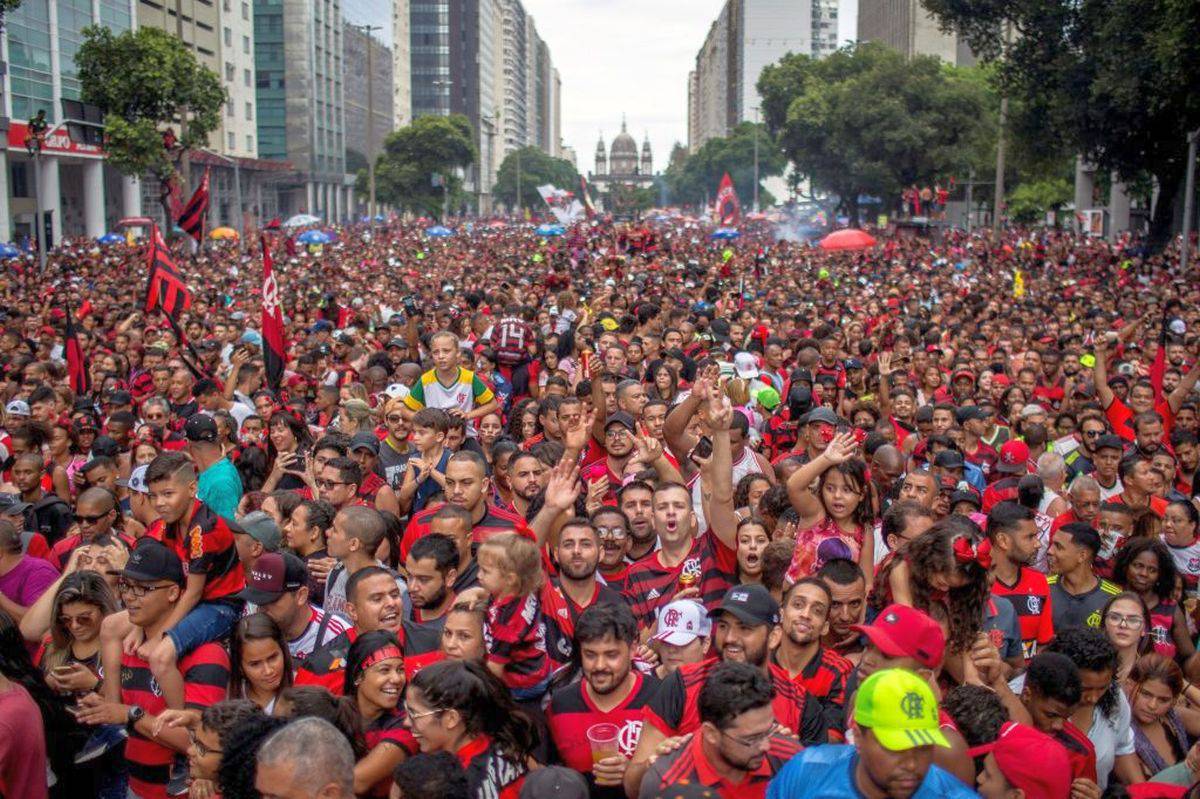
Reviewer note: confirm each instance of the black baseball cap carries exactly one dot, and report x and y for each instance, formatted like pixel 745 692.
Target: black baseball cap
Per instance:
pixel 200 427
pixel 948 459
pixel 622 418
pixel 12 504
pixel 152 560
pixel 751 603
pixel 365 440
pixel 273 575
pixel 1110 441
pixel 968 412
pixel 821 415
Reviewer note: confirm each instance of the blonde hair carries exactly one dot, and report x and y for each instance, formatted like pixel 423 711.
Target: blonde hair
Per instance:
pixel 518 556
pixel 738 391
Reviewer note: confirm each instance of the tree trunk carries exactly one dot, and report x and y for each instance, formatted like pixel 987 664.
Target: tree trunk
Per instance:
pixel 1162 222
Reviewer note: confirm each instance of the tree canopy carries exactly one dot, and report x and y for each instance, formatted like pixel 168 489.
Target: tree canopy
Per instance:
pixel 143 80
pixel 695 178
pixel 867 120
pixel 537 169
pixel 1115 80
pixel 413 155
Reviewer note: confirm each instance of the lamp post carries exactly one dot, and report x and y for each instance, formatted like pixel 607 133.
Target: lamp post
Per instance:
pixel 1189 201
pixel 755 109
pixel 367 30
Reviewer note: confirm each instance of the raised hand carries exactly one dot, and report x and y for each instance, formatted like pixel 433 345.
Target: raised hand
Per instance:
pixel 562 489
pixel 841 449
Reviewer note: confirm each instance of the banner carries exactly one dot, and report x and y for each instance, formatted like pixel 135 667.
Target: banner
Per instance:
pixel 274 346
pixel 195 213
pixel 729 210
pixel 562 204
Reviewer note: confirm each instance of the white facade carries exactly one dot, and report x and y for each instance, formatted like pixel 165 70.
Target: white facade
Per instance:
pixel 401 64
pixel 235 55
pixel 770 29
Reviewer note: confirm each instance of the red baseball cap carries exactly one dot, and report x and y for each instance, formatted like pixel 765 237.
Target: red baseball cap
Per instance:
pixel 1031 761
pixel 1014 457
pixel 900 631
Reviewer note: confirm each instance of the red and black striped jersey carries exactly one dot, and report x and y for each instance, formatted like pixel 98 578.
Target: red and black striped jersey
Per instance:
pixel 326 666
pixel 689 766
pixel 1030 598
pixel 710 563
pixel 560 614
pixel 675 707
pixel 516 639
pixel 205 682
pixel 491 773
pixel 495 520
pixel 824 677
pixel 206 547
pixel 388 730
pixel 572 713
pixel 617 580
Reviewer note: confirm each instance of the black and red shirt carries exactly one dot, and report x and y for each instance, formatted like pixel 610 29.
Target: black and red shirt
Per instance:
pixel 205 682
pixel 710 563
pixel 495 520
pixel 1080 751
pixel 421 641
pixel 208 548
pixel 388 730
pixel 824 677
pixel 690 766
pixel 675 707
pixel 560 614
pixel 617 580
pixel 516 640
pixel 490 772
pixel 326 666
pixel 1030 598
pixel 572 712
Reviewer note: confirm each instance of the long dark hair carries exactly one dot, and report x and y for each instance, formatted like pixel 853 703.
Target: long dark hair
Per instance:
pixel 1165 584
pixel 485 704
pixel 855 472
pixel 255 627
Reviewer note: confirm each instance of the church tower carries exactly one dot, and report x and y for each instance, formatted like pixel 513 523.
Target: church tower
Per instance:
pixel 601 157
pixel 647 160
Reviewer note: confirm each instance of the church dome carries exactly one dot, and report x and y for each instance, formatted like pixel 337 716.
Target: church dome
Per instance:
pixel 623 158
pixel 624 145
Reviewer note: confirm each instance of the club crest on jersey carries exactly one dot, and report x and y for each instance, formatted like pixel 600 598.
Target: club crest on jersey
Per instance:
pixel 627 738
pixel 691 568
pixel 1034 603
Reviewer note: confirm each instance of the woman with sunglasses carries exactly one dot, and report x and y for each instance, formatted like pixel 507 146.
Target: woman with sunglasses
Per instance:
pixel 69 655
pixel 375 684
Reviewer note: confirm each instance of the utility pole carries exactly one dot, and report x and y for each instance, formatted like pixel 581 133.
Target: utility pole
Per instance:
pixel 998 200
pixel 756 159
pixel 970 197
pixel 1189 201
pixel 519 205
pixel 368 30
pixel 185 164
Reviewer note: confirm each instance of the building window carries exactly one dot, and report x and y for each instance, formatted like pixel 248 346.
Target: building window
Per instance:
pixel 228 37
pixel 232 141
pixel 227 5
pixel 229 109
pixel 249 142
pixel 249 111
pixel 246 78
pixel 245 11
pixel 246 45
pixel 230 72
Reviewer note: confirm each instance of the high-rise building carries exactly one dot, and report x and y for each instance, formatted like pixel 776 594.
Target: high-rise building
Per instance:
pixel 824 27
pixel 77 193
pixel 301 117
pixel 369 93
pixel 401 63
pixel 747 36
pixel 905 26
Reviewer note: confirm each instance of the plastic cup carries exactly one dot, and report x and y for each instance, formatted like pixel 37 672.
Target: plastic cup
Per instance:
pixel 603 739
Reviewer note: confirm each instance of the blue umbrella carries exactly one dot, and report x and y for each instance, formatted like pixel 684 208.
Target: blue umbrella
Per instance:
pixel 111 238
pixel 725 233
pixel 314 237
pixel 549 230
pixel 439 231
pixel 9 251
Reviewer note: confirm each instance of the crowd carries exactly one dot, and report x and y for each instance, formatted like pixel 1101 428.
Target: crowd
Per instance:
pixel 623 513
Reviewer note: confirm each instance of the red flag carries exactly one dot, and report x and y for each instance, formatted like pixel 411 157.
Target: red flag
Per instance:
pixel 192 218
pixel 274 348
pixel 729 210
pixel 588 208
pixel 77 365
pixel 166 288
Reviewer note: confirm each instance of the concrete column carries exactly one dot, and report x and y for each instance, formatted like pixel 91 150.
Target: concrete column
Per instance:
pixel 54 112
pixel 1085 184
pixel 1118 208
pixel 312 198
pixel 131 196
pixel 93 198
pixel 50 194
pixel 5 215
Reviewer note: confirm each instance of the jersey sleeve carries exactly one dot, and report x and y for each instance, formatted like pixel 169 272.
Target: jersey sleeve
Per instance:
pixel 206 677
pixel 814 725
pixel 664 711
pixel 479 389
pixel 415 399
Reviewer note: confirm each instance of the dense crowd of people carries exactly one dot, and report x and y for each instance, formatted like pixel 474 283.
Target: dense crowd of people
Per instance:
pixel 629 512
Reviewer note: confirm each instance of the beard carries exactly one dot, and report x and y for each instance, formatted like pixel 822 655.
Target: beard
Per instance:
pixel 432 601
pixel 578 571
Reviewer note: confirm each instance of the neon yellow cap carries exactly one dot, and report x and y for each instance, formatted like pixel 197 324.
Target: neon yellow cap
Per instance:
pixel 900 710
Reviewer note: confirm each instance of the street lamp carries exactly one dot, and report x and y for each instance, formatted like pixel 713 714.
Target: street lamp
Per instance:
pixel 755 110
pixel 1189 201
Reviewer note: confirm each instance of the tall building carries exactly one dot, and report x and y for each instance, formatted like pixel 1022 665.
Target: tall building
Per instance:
pixel 905 25
pixel 78 194
pixel 747 36
pixel 301 118
pixel 401 63
pixel 369 93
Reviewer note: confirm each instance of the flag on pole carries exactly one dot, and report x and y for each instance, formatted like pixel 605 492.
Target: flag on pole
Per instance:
pixel 194 214
pixel 166 288
pixel 588 208
pixel 77 365
pixel 729 210
pixel 274 348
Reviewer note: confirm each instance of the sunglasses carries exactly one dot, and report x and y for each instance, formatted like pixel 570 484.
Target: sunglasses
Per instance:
pixel 79 517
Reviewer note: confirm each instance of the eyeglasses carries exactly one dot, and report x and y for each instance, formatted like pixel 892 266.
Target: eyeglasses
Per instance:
pixel 201 749
pixel 137 590
pixel 393 418
pixel 328 484
pixel 1132 622
pixel 616 432
pixel 752 741
pixel 79 517
pixel 408 711
pixel 616 533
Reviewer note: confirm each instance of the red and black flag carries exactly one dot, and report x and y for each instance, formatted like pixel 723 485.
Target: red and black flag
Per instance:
pixel 274 346
pixel 729 210
pixel 191 219
pixel 77 365
pixel 588 208
pixel 166 288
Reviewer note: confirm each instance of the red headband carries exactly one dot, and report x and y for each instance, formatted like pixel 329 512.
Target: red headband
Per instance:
pixel 383 653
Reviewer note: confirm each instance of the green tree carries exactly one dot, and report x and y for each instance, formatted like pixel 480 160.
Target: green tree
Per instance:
pixel 695 179
pixel 537 169
pixel 1114 80
pixel 143 80
pixel 1029 202
pixel 413 155
pixel 867 120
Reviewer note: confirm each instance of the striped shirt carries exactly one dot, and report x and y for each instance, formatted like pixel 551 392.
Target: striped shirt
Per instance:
pixel 495 520
pixel 205 681
pixel 516 639
pixel 306 643
pixel 206 548
pixel 824 677
pixel 650 585
pixel 690 766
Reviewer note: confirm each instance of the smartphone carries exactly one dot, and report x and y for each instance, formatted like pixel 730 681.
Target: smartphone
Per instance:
pixel 62 671
pixel 410 305
pixel 703 449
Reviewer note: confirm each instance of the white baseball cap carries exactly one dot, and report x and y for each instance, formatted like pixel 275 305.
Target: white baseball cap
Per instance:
pixel 395 390
pixel 681 622
pixel 17 408
pixel 745 365
pixel 136 480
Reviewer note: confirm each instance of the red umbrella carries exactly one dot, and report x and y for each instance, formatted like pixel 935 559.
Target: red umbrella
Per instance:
pixel 848 239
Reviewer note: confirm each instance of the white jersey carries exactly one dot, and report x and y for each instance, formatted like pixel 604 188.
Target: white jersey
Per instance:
pixel 306 643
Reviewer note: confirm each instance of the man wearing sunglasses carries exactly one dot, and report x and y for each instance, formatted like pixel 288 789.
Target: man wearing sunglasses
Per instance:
pixel 150 586
pixel 95 513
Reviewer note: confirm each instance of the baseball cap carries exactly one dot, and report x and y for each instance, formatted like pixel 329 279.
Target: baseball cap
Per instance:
pixel 152 560
pixel 17 408
pixel 554 782
pixel 1014 457
pixel 899 709
pixel 1110 441
pixel 200 427
pixel 966 495
pixel 967 373
pixel 398 343
pixel 768 398
pixel 1030 760
pixel 901 631
pixel 821 415
pixel 273 575
pixel 968 412
pixel 623 419
pixel 262 528
pixel 853 363
pixel 1031 410
pixel 396 390
pixel 802 376
pixel 681 622
pixel 948 459
pixel 136 480
pixel 365 440
pixel 745 365
pixel 751 603
pixel 12 504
